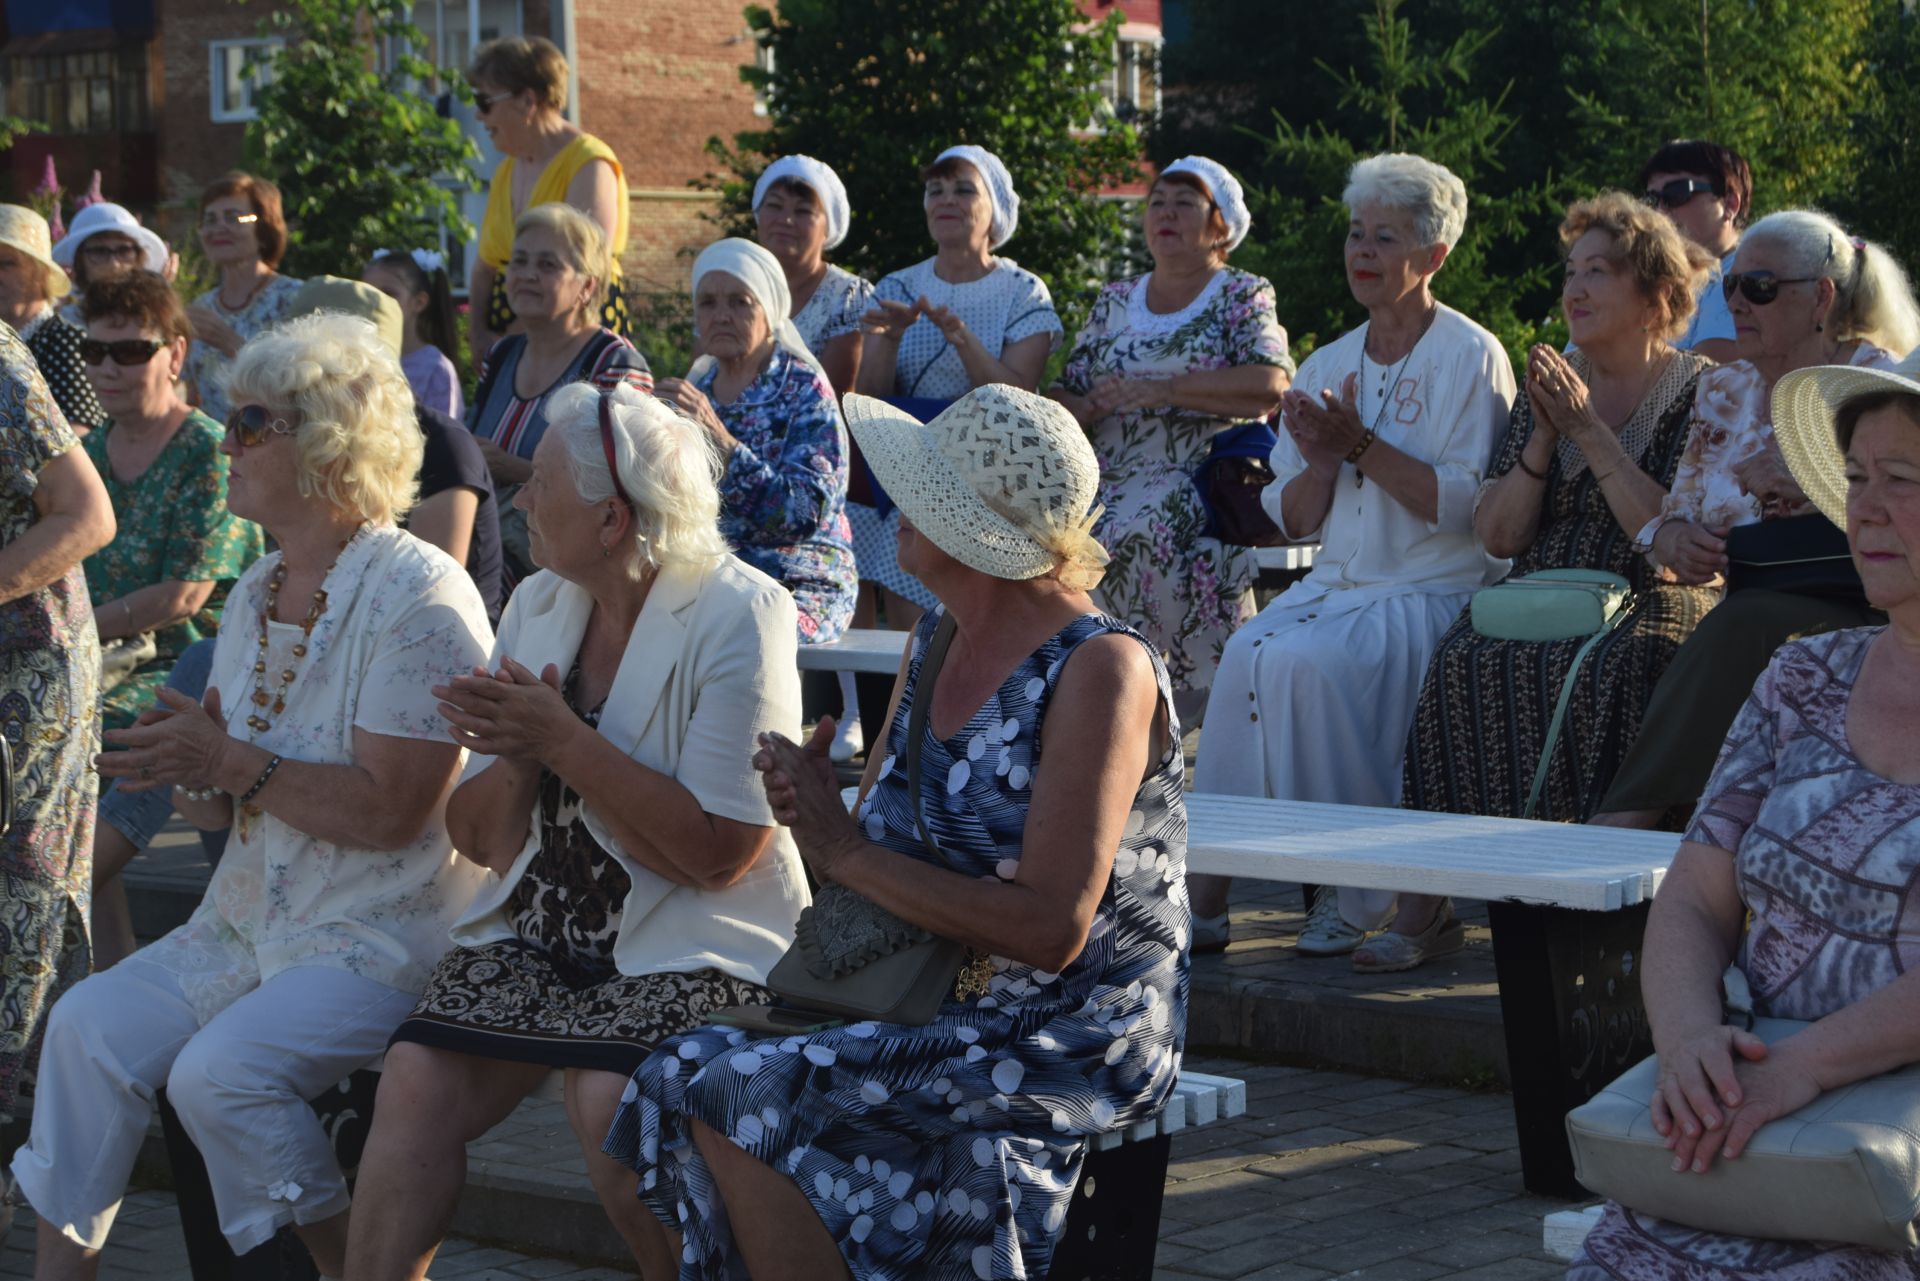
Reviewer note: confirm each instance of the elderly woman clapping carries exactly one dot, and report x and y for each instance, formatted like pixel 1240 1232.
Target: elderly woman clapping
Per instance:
pixel 321 743
pixel 769 411
pixel 1388 438
pixel 641 881
pixel 1060 867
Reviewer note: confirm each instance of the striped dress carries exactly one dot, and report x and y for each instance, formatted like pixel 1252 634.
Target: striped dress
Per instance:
pixel 500 415
pixel 948 1151
pixel 1482 717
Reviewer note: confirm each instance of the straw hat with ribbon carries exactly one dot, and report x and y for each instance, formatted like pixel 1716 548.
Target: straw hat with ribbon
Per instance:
pixel 1001 480
pixel 26 231
pixel 1805 405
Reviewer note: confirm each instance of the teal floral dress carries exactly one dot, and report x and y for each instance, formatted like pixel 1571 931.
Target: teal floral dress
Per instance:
pixel 1186 593
pixel 174 524
pixel 950 1151
pixel 49 674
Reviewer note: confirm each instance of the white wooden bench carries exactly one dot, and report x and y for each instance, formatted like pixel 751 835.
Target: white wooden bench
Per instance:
pixel 859 649
pixel 1567 904
pixel 1293 558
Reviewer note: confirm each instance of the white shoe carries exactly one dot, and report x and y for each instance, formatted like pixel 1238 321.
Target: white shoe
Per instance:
pixel 1327 932
pixel 848 741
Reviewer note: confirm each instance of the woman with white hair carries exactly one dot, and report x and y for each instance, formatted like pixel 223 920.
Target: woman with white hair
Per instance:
pixel 766 407
pixel 640 881
pixel 320 742
pixel 1166 362
pixel 800 212
pixel 1803 292
pixel 1389 433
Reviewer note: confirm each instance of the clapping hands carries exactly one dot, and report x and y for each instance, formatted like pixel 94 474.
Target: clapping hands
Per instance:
pixel 891 320
pixel 1325 427
pixel 804 794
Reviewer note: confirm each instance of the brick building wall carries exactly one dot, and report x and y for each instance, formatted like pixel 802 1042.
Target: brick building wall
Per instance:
pixel 194 150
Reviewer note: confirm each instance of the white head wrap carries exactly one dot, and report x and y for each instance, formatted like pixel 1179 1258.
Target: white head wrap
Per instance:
pixel 817 177
pixel 425 259
pixel 1006 201
pixel 760 272
pixel 1226 193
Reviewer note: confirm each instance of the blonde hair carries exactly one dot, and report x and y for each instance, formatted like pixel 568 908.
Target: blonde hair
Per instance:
pixel 1666 267
pixel 1872 300
pixel 359 445
pixel 583 239
pixel 667 468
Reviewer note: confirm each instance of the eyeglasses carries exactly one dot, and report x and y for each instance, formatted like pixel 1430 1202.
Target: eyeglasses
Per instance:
pixel 251 424
pixel 232 217
pixel 485 102
pixel 1759 287
pixel 606 443
pixel 126 352
pixel 1676 193
pixel 122 251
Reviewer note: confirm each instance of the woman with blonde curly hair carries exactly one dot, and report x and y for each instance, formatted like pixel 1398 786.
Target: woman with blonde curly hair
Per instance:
pixel 320 741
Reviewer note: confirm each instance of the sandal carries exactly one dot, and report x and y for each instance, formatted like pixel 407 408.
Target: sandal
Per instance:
pixel 1210 934
pixel 1391 952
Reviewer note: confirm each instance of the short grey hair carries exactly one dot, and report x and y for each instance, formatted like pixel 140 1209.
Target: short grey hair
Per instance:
pixel 1432 193
pixel 667 467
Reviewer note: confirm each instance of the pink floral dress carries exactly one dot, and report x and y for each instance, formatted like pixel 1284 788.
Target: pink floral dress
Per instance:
pixel 1186 593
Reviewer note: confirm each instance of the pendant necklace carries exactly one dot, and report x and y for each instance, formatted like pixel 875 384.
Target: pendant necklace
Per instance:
pixel 1388 383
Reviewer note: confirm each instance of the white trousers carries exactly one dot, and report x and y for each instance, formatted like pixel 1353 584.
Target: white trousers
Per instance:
pixel 240 1084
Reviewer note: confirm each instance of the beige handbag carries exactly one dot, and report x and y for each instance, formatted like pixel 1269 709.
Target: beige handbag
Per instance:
pixel 1845 1168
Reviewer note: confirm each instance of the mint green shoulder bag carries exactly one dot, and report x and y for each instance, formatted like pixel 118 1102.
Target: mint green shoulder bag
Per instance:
pixel 1553 605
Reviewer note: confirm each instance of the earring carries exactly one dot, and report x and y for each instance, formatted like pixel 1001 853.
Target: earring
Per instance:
pixel 606 550
pixel 1819 328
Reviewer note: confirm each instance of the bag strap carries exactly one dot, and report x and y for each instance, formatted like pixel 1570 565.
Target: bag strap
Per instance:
pixel 1560 707
pixel 930 664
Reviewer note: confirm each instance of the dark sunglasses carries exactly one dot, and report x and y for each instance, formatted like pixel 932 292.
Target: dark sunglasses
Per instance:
pixel 1759 287
pixel 485 102
pixel 251 424
pixel 126 352
pixel 1676 193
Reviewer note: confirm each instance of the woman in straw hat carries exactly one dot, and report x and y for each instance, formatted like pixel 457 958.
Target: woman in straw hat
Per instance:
pixel 951 1150
pixel 29 282
pixel 1800 855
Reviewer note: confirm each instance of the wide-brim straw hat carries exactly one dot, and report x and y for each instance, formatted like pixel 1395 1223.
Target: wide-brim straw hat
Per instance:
pixel 23 229
pixel 1002 480
pixel 1806 403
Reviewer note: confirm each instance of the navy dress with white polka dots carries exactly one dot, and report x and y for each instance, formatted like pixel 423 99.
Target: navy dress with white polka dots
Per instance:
pixel 951 1150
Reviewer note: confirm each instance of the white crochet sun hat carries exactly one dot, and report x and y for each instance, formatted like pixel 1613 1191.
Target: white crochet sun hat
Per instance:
pixel 1805 404
pixel 1001 480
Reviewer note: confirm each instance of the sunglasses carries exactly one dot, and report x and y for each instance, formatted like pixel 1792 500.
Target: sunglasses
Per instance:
pixel 111 253
pixel 1759 287
pixel 1676 193
pixel 232 217
pixel 126 352
pixel 251 424
pixel 485 102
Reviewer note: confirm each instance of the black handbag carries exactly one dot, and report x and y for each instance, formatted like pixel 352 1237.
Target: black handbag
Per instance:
pixel 1808 555
pixel 1231 479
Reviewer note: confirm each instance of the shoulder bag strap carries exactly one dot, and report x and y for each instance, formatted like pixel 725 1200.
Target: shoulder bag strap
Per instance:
pixel 930 665
pixel 1560 707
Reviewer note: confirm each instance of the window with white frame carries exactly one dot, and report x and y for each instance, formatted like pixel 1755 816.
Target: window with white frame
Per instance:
pixel 238 68
pixel 1133 90
pixel 763 59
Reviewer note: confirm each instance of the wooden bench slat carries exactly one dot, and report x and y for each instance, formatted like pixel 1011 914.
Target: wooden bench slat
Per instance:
pixel 859 649
pixel 1230 1093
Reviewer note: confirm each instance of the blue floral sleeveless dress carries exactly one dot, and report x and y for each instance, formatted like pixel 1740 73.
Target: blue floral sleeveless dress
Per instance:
pixel 951 1150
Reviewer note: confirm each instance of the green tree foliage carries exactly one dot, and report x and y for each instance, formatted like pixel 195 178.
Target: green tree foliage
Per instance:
pixel 1878 198
pixel 362 156
pixel 878 88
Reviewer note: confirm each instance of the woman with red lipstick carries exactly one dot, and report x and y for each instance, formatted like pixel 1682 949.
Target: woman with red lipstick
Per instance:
pixel 1594 442
pixel 1802 292
pixel 1166 362
pixel 243 234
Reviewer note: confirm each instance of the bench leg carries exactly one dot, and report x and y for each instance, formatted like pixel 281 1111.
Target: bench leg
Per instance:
pixel 1570 1005
pixel 347 1113
pixel 1113 1224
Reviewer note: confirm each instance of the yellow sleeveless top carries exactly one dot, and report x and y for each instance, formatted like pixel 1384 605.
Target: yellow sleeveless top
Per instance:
pixel 496 227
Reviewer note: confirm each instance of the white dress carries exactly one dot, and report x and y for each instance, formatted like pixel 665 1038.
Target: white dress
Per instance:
pixel 1314 697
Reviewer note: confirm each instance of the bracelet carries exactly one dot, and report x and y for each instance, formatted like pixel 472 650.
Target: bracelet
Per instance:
pixel 1521 459
pixel 1366 443
pixel 196 793
pixel 273 763
pixel 1598 479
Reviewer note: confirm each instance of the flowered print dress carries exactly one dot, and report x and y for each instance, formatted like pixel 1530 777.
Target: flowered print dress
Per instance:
pixel 1825 852
pixel 1186 593
pixel 173 524
pixel 834 311
pixel 951 1150
pixel 49 674
pixel 206 368
pixel 783 495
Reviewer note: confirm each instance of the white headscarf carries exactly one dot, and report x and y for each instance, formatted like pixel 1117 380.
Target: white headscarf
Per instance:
pixel 818 178
pixel 760 272
pixel 1006 201
pixel 1225 190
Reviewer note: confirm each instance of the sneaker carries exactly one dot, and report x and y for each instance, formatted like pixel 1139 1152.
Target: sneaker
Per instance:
pixel 1327 932
pixel 1211 933
pixel 848 741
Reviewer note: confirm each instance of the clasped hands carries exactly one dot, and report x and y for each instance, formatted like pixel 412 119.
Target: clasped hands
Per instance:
pixel 891 320
pixel 1721 1084
pixel 1561 405
pixel 177 741
pixel 804 794
pixel 1324 427
pixel 509 713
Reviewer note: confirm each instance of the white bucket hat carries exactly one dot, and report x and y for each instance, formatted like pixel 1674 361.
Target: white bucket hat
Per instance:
pixel 1805 404
pixel 106 216
pixel 23 229
pixel 1001 480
